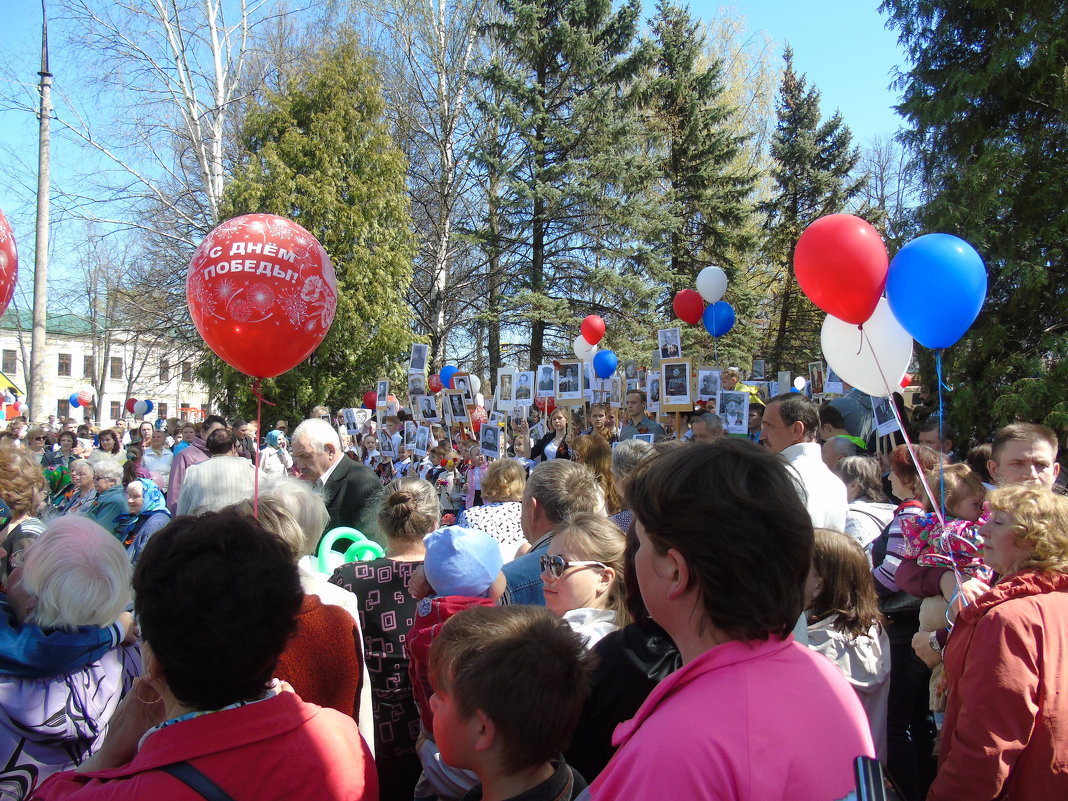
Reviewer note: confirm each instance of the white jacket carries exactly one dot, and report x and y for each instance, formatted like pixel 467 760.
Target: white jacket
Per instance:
pixel 822 492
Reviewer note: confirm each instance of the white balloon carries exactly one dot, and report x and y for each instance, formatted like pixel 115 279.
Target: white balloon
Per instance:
pixel 799 383
pixel 583 349
pixel 476 384
pixel 480 400
pixel 873 360
pixel 141 408
pixel 712 283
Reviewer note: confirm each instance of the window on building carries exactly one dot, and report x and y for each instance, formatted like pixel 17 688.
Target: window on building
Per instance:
pixel 161 410
pixel 11 362
pixel 88 367
pixel 64 368
pixel 116 367
pixel 164 371
pixel 116 410
pixel 63 408
pixel 187 371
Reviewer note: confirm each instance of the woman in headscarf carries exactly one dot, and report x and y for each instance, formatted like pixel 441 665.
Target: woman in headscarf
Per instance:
pixel 148 514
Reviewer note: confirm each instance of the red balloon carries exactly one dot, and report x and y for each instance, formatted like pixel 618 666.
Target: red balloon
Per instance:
pixel 370 399
pixel 841 264
pixel 9 263
pixel 906 380
pixel 262 293
pixel 593 329
pixel 545 404
pixel 689 306
pixel 478 417
pixel 85 398
pixel 129 405
pixel 434 383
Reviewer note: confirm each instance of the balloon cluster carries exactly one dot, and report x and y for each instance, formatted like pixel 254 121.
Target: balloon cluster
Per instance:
pixel 935 287
pixel 587 347
pixel 83 397
pixel 689 305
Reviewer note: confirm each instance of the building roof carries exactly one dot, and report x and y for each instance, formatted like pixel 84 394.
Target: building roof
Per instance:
pixel 71 325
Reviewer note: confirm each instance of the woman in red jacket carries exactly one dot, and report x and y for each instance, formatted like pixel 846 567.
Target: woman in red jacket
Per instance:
pixel 1006 727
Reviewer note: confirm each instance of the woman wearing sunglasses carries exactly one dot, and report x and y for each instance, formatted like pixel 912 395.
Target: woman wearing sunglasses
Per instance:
pixel 582 576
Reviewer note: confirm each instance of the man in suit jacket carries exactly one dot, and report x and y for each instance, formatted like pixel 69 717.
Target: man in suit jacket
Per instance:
pixel 352 491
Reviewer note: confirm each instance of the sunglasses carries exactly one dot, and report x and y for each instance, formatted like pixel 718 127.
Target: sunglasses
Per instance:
pixel 556 566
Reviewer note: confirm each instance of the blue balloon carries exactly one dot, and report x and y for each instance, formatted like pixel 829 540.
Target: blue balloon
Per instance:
pixel 447 372
pixel 718 318
pixel 936 287
pixel 74 401
pixel 605 363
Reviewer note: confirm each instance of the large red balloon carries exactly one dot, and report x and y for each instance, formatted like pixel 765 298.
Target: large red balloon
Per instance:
pixel 434 383
pixel 262 293
pixel 370 400
pixel 689 306
pixel 593 329
pixel 841 264
pixel 9 263
pixel 129 405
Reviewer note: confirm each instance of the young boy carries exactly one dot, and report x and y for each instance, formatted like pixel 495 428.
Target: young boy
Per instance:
pixel 510 683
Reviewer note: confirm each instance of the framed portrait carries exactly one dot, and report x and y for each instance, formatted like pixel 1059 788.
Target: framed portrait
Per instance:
pixel 654 361
pixel 456 404
pixel 707 384
pixel 382 394
pixel 630 370
pixel 652 393
pixel 590 382
pixel 417 361
pixel 615 391
pixel 546 381
pixel 422 440
pixel 885 421
pixel 537 431
pixel 410 430
pixel 504 398
pixel 644 437
pixel 758 370
pixel 461 382
pixel 784 380
pixel 815 378
pixel 833 384
pixel 675 383
pixel 763 389
pixel 733 410
pixel 569 382
pixel 416 384
pixel 670 342
pixel 489 441
pixel 385 447
pixel 428 409
pixel 524 388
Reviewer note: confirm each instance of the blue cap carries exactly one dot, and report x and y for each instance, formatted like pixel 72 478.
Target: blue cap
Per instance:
pixel 461 561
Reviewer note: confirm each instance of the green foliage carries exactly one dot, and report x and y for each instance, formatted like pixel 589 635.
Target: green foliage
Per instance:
pixel 320 153
pixel 813 161
pixel 987 100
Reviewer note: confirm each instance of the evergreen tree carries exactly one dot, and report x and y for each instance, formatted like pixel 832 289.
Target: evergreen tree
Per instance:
pixel 319 152
pixel 986 97
pixel 812 165
pixel 571 204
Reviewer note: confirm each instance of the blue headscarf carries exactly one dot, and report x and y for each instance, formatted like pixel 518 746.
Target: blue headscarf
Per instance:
pixel 127 525
pixel 273 437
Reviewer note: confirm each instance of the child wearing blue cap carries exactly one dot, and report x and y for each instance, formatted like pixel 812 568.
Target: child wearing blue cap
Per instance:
pixel 463 568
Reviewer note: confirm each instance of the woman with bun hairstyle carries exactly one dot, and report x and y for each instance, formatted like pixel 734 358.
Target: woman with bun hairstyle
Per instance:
pixel 409 512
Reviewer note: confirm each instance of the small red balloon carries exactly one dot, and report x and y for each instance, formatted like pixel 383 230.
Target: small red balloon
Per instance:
pixel 841 264
pixel 9 263
pixel 593 329
pixel 262 293
pixel 129 405
pixel 478 417
pixel 689 306
pixel 906 380
pixel 370 399
pixel 85 398
pixel 434 383
pixel 545 404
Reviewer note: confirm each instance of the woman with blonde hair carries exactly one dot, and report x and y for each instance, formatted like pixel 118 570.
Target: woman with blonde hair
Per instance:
pixel 582 576
pixel 594 451
pixel 501 512
pixel 1004 732
pixel 601 423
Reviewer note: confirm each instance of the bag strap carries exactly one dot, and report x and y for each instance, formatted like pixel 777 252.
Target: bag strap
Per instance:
pixel 186 773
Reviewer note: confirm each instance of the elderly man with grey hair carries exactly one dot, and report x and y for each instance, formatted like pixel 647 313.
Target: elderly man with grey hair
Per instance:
pixel 625 457
pixel 351 491
pixel 836 449
pixel 707 428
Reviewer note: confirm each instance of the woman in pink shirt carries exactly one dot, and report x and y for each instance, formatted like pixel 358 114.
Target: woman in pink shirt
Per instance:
pixel 725 545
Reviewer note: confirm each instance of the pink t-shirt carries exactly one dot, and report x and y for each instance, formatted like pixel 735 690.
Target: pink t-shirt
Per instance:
pixel 745 720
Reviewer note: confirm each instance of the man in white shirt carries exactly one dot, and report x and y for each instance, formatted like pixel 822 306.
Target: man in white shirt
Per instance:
pixel 789 428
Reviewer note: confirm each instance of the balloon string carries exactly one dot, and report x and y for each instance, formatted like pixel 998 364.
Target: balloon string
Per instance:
pixel 260 400
pixel 860 343
pixel 941 459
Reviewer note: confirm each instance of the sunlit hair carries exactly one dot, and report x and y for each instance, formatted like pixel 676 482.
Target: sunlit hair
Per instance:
pixel 627 455
pixel 563 489
pixel 595 452
pixel 273 515
pixel 960 482
pixel 848 591
pixel 1041 522
pixel 22 484
pixel 865 471
pixel 410 511
pixel 504 481
pixel 596 538
pixel 317 433
pixel 1031 433
pixel 905 469
pixel 78 574
pixel 108 467
pixel 306 506
pixel 608 430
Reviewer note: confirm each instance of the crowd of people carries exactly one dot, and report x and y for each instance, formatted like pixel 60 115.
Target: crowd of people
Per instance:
pixel 615 606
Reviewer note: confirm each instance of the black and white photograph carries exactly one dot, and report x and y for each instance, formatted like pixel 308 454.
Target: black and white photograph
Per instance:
pixel 670 341
pixel 590 382
pixel 707 385
pixel 815 378
pixel 490 441
pixel 885 422
pixel 385 447
pixel 428 409
pixel 763 389
pixel 833 384
pixel 410 430
pixel 416 385
pixel 758 370
pixel 569 382
pixel 422 441
pixel 546 381
pixel 630 370
pixel 615 391
pixel 524 386
pixel 734 412
pixel 504 397
pixel 457 407
pixel 382 394
pixel 675 381
pixel 417 362
pixel 653 393
pixel 461 382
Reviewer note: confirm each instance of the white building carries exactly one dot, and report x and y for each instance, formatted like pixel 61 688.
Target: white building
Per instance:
pixel 147 368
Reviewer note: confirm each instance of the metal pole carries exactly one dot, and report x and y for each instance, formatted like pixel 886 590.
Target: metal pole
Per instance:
pixel 40 272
